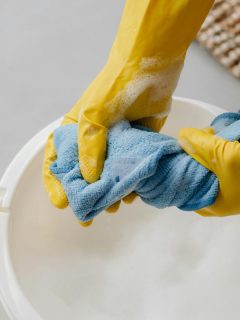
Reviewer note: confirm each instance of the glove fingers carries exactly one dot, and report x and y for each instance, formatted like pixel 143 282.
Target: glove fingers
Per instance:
pixel 209 130
pixel 200 145
pixel 205 212
pixel 91 148
pixel 114 208
pixel 86 223
pixel 130 198
pixel 53 187
pixel 154 123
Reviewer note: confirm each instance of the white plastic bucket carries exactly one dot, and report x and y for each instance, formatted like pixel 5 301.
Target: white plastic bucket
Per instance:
pixel 141 263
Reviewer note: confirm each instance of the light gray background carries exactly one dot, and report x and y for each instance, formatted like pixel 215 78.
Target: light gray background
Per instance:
pixel 51 50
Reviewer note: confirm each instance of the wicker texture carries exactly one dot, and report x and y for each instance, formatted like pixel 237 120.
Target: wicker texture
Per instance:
pixel 220 34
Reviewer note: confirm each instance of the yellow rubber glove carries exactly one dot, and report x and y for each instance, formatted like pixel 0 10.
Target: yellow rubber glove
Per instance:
pixel 136 83
pixel 221 157
pixel 54 188
pixel 141 73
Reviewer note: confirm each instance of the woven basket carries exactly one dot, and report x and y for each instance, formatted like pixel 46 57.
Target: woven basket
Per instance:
pixel 220 34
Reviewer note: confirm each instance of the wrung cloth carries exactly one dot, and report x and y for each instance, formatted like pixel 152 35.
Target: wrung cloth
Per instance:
pixel 149 163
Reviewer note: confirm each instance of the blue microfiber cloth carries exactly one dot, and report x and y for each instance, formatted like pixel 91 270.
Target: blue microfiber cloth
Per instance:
pixel 151 164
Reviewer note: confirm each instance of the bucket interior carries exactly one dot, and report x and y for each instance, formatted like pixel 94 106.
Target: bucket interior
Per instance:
pixel 140 263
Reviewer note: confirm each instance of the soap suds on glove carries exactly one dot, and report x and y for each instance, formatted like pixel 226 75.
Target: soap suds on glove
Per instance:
pixel 157 78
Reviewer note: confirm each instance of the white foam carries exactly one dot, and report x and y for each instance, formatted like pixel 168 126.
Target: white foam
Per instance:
pixel 157 76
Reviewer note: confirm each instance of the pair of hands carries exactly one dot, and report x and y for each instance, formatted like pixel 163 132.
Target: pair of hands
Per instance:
pixel 216 154
pixel 137 84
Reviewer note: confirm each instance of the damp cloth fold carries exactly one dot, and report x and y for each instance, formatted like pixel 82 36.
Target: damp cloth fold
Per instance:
pixel 149 163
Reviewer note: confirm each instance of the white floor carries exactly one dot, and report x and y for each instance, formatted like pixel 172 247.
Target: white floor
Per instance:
pixel 50 50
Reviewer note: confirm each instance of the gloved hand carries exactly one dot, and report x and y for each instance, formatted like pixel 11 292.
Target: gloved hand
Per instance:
pixel 221 157
pixel 54 188
pixel 141 74
pixel 136 83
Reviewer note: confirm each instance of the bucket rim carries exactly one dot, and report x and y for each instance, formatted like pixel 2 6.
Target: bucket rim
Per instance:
pixel 12 297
